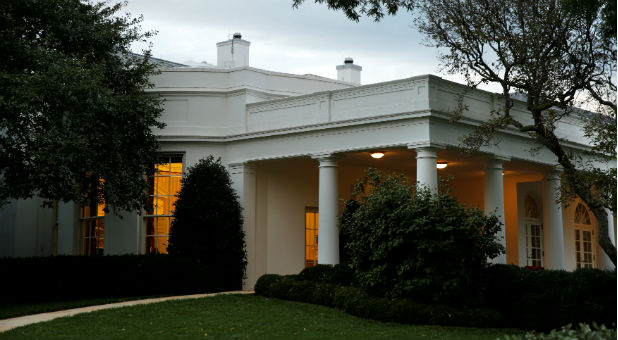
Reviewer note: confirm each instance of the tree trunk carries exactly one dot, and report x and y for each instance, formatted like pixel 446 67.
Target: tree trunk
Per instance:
pixel 573 181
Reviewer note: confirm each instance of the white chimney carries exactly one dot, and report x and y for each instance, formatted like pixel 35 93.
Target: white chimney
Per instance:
pixel 349 72
pixel 233 52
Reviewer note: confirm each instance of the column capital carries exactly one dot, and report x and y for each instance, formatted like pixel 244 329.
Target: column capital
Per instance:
pixel 554 172
pixel 326 157
pixel 426 145
pixel 426 152
pixel 497 157
pixel 495 162
pixel 242 167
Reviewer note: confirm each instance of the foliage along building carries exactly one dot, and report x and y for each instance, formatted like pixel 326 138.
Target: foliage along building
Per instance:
pixel 295 145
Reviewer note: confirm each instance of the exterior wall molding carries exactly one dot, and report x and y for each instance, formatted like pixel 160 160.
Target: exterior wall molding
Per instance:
pixel 224 92
pixel 353 92
pixel 285 103
pixel 326 157
pixel 370 90
pixel 426 144
pixel 497 157
pixel 241 167
pixel 216 69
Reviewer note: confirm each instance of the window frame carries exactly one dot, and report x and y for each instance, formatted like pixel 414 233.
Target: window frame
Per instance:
pixel 314 261
pixel 534 218
pixel 161 239
pixel 582 227
pixel 89 222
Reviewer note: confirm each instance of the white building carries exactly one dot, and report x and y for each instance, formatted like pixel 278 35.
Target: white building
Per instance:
pixel 296 144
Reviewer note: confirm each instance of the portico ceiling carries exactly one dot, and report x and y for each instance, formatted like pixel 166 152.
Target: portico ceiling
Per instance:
pixel 458 162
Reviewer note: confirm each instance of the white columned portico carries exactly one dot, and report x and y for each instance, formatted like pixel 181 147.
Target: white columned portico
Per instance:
pixel 494 199
pixel 328 236
pixel 552 222
pixel 426 171
pixel 244 183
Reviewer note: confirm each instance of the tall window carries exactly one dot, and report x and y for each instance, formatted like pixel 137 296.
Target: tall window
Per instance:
pixel 311 236
pixel 584 255
pixel 164 186
pixel 534 234
pixel 91 220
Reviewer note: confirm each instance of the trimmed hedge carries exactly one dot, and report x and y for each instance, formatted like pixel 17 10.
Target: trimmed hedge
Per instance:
pixel 340 274
pixel 358 302
pixel 82 277
pixel 549 299
pixel 512 297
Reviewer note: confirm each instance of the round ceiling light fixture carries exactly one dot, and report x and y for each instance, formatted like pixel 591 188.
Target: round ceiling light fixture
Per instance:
pixel 441 165
pixel 377 154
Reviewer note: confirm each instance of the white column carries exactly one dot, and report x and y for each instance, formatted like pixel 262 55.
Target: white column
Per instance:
pixel 494 199
pixel 606 262
pixel 553 234
pixel 244 183
pixel 610 226
pixel 426 171
pixel 328 237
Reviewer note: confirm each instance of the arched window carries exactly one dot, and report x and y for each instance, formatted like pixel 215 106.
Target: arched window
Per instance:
pixel 532 211
pixel 584 254
pixel 581 215
pixel 534 233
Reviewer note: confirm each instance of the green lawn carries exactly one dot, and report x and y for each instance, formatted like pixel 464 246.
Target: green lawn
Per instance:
pixel 235 317
pixel 13 310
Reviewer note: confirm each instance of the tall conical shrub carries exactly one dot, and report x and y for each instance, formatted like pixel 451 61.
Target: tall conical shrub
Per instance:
pixel 207 222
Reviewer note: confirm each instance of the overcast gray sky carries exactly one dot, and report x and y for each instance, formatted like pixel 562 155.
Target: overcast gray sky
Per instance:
pixel 310 39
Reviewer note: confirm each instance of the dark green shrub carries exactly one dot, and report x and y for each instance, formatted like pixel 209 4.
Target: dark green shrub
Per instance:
pixel 63 278
pixel 351 206
pixel 409 243
pixel 324 294
pixel 279 289
pixel 301 291
pixel 548 299
pixel 357 301
pixel 584 332
pixel 207 222
pixel 316 273
pixel 340 274
pixel 263 284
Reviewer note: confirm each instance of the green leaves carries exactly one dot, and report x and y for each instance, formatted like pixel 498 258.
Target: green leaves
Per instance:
pixel 406 242
pixel 207 221
pixel 75 121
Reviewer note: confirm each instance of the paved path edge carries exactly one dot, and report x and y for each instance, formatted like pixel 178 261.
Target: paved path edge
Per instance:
pixel 19 321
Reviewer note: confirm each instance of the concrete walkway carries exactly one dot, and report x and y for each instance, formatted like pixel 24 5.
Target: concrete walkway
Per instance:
pixel 7 324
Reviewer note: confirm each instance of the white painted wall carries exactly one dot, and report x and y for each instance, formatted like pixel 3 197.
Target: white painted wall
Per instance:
pixel 286 188
pixel 33 228
pixel 8 218
pixel 123 234
pixel 68 229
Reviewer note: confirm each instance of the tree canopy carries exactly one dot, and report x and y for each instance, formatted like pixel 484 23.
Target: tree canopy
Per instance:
pixel 558 54
pixel 75 122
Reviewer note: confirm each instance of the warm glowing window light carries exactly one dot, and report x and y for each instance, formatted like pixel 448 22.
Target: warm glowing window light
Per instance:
pixel 377 155
pixel 311 236
pixel 441 165
pixel 164 186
